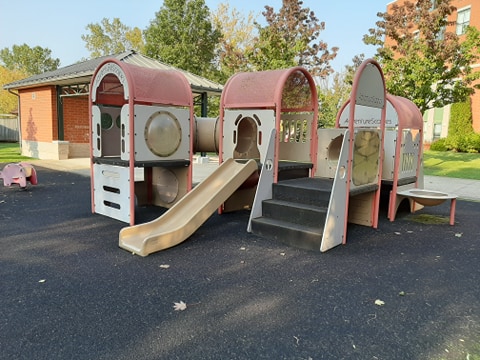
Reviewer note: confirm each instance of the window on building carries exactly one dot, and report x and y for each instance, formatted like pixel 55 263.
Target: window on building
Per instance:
pixel 437 122
pixel 463 20
pixel 438 115
pixel 437 131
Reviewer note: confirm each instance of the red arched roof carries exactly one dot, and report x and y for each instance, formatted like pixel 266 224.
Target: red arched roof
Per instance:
pixel 117 82
pixel 290 89
pixel 409 116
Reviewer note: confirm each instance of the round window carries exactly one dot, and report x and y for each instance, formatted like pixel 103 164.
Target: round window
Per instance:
pixel 106 121
pixel 163 133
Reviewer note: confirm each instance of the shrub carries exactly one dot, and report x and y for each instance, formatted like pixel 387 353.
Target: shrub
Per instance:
pixel 473 143
pixel 463 142
pixel 460 123
pixel 439 145
pixel 461 136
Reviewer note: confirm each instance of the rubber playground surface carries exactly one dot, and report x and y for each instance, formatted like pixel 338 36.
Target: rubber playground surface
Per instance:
pixel 407 290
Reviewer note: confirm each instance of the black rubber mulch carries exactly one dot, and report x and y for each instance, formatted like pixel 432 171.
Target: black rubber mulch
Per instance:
pixel 67 291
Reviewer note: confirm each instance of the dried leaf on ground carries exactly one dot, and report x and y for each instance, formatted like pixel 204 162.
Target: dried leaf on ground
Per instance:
pixel 379 302
pixel 180 306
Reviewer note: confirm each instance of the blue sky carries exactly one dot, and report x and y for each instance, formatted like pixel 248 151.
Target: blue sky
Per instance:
pixel 59 24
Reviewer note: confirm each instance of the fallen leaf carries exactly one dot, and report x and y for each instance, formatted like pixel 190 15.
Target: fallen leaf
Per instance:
pixel 296 339
pixel 379 302
pixel 164 266
pixel 180 306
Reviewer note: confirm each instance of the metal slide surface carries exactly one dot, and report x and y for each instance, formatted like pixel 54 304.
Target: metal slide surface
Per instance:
pixel 187 215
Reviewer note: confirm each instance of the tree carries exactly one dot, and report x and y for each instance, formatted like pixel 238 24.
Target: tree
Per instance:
pixel 183 36
pixel 111 38
pixel 333 93
pixel 237 39
pixel 8 102
pixel 420 58
pixel 291 39
pixel 31 61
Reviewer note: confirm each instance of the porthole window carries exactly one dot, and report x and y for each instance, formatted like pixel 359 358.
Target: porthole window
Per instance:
pixel 106 121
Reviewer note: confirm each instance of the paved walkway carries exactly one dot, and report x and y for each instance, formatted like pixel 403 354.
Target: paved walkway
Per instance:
pixel 463 188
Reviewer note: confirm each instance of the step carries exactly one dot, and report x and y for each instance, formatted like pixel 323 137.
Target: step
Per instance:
pixel 292 170
pixel 311 191
pixel 303 237
pixel 303 214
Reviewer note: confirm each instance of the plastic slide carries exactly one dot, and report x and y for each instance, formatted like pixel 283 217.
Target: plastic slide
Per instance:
pixel 187 215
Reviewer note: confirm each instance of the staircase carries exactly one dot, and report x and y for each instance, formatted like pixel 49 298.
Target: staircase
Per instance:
pixel 296 213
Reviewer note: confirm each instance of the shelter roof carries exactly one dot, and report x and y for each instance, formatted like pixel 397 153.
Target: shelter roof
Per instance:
pixel 81 73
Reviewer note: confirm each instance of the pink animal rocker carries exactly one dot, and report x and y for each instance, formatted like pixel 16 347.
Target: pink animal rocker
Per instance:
pixel 18 173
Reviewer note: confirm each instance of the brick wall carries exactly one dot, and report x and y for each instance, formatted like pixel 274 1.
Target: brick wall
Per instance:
pixel 38 108
pixel 474 21
pixel 75 119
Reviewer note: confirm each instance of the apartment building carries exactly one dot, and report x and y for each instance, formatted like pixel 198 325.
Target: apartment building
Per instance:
pixel 437 120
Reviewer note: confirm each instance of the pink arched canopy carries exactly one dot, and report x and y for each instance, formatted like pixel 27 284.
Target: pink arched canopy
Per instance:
pixel 406 116
pixel 115 83
pixel 409 116
pixel 283 90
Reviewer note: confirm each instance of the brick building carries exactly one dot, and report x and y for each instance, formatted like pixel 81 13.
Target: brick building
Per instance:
pixel 436 120
pixel 54 106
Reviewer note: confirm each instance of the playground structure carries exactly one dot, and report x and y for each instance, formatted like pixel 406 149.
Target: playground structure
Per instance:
pixel 302 185
pixel 141 143
pixel 402 170
pixel 19 173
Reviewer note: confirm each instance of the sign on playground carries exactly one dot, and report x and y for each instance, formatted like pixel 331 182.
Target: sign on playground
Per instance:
pixel 368 116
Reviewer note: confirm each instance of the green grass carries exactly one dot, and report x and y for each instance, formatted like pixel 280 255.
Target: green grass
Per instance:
pixel 10 152
pixel 452 164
